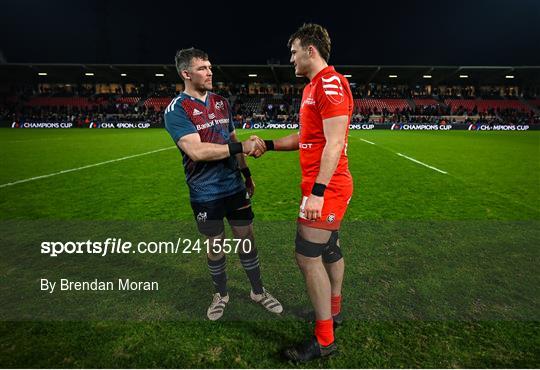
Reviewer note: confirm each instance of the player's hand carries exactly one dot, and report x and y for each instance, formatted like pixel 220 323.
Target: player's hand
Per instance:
pixel 249 147
pixel 261 146
pixel 313 207
pixel 250 186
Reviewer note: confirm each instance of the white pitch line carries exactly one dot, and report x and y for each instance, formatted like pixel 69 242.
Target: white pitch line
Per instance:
pixel 367 141
pixel 83 167
pixel 423 164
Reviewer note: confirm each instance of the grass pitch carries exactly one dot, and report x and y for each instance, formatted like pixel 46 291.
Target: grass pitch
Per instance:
pixel 442 268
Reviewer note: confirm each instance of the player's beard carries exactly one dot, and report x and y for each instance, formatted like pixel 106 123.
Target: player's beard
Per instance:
pixel 204 87
pixel 208 86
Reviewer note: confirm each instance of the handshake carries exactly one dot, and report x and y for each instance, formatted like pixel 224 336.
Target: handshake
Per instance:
pixel 254 147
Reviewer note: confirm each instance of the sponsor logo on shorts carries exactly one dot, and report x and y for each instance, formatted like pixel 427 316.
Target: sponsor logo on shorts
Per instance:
pixel 202 216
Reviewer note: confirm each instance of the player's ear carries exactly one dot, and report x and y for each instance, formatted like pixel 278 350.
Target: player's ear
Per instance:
pixel 185 74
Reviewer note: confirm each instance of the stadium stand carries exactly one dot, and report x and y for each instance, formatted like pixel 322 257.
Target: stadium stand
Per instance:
pixel 483 106
pixel 128 100
pixel 375 101
pixel 535 103
pixel 425 102
pixel 381 104
pixel 158 104
pixel 248 108
pixel 250 103
pixel 61 101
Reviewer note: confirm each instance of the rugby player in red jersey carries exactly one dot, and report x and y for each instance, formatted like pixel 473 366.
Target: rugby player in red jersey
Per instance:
pixel 327 184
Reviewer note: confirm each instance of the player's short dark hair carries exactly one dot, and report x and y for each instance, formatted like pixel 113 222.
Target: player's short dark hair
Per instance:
pixel 184 57
pixel 315 35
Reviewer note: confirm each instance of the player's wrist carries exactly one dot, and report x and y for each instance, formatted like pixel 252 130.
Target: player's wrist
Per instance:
pixel 235 148
pixel 269 144
pixel 318 189
pixel 246 172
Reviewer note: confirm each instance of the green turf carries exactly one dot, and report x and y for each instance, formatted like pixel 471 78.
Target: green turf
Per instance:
pixel 441 268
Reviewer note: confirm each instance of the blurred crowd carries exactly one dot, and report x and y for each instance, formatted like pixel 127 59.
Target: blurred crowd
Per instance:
pixel 263 105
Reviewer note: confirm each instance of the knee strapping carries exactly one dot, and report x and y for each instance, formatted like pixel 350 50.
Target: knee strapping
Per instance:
pixel 332 252
pixel 307 248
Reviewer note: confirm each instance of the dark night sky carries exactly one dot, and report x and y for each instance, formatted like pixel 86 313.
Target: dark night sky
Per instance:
pixel 473 32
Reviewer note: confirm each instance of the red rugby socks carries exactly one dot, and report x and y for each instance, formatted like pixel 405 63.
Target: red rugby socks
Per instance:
pixel 336 305
pixel 324 331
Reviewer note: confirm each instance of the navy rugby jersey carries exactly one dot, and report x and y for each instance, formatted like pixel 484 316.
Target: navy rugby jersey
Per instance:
pixel 212 120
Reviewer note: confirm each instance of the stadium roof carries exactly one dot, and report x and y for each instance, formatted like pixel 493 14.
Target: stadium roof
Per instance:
pixel 361 74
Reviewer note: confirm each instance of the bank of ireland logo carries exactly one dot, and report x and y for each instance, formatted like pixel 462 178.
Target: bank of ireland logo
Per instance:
pixel 333 89
pixel 331 218
pixel 201 217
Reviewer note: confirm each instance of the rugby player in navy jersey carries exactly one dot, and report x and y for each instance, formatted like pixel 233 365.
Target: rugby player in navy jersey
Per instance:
pixel 200 123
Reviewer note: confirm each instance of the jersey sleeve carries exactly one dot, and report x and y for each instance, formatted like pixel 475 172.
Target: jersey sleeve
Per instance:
pixel 177 123
pixel 231 121
pixel 332 99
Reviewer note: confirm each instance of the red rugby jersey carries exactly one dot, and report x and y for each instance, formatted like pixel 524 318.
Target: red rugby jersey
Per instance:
pixel 327 95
